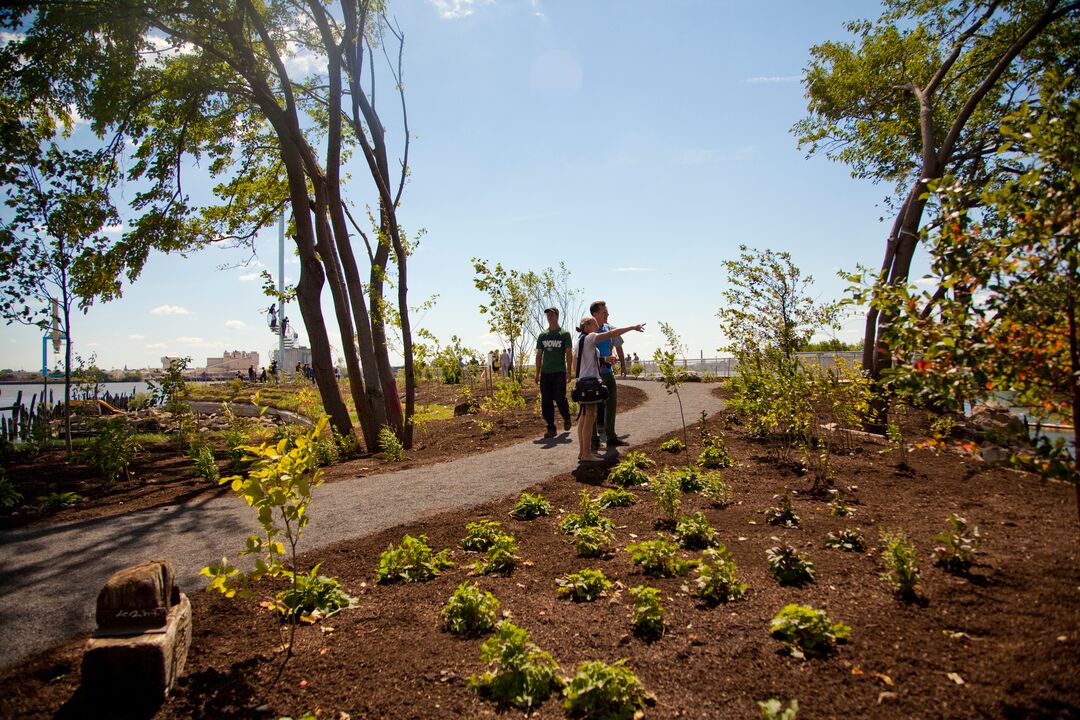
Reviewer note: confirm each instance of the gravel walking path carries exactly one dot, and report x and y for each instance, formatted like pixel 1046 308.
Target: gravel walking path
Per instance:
pixel 50 574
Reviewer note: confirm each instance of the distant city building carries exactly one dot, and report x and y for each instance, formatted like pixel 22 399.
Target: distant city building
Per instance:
pixel 231 362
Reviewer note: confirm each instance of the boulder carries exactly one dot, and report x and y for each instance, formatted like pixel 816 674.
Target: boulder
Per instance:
pixel 136 599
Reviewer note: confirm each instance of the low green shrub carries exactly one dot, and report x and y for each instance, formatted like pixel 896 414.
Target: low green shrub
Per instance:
pixel 773 709
pixel 584 586
pixel 311 597
pixel 783 516
pixel 627 473
pixel 500 558
pixel 901 564
pixel 673 446
pixel 112 450
pixel 715 581
pixel 638 459
pixel 588 517
pixel 647 615
pixel 714 457
pixel 658 558
pixel 807 632
pixel 694 532
pixel 616 497
pixel 522 676
pixel 389 445
pixel 689 479
pixel 202 456
pixel 956 548
pixel 505 396
pixel 839 508
pixel 530 507
pixel 480 535
pixel 592 542
pixel 58 501
pixel 411 561
pixel 715 489
pixel 9 495
pixel 470 611
pixel 846 539
pixel 788 565
pixel 601 691
pixel 667 489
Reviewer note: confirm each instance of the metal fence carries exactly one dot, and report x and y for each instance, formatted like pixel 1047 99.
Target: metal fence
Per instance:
pixel 728 366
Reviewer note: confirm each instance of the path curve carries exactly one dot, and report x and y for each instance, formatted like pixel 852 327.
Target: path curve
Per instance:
pixel 50 574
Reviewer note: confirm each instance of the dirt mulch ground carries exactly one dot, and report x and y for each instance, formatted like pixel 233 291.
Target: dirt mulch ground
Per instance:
pixel 163 476
pixel 999 642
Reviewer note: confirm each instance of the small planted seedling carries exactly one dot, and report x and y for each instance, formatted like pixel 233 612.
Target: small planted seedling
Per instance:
pixel 847 540
pixel 667 489
pixel 390 445
pixel 480 535
pixel 616 497
pixel 522 675
pixel 658 558
pixel 584 586
pixel 647 616
pixel 628 473
pixel 783 516
pixel 588 517
pixel 673 446
pixel 715 489
pixel 839 508
pixel 500 557
pixel 411 561
pixel 470 611
pixel 773 709
pixel 638 459
pixel 715 581
pixel 689 479
pixel 311 597
pixel 788 565
pixel 599 690
pixel 901 564
pixel 955 550
pixel 592 542
pixel 530 507
pixel 804 631
pixel 714 457
pixel 695 532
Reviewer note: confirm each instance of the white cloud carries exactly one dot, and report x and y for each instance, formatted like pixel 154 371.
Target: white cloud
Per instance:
pixel 455 9
pixel 191 340
pixel 156 346
pixel 249 277
pixel 113 229
pixel 632 269
pixel 235 324
pixel 136 336
pixel 300 61
pixel 758 79
pixel 170 310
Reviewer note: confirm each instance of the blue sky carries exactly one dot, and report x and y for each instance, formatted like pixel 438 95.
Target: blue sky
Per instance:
pixel 641 143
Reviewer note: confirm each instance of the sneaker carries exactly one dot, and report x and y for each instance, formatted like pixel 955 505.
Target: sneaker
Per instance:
pixel 550 433
pixel 616 442
pixel 566 423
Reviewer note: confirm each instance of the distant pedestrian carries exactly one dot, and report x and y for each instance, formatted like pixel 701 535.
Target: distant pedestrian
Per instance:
pixel 504 362
pixel 554 358
pixel 262 376
pixel 251 373
pixel 495 368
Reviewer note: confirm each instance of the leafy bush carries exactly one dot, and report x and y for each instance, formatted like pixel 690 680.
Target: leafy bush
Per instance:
pixel 470 611
pixel 788 565
pixel 506 395
pixel 695 532
pixel 411 561
pixel 673 446
pixel 530 507
pixel 9 496
pixel 58 501
pixel 838 508
pixel 658 558
pixel 956 549
pixel 486 427
pixel 311 597
pixel 500 557
pixel 327 450
pixel 783 516
pixel 584 586
pixel 627 473
pixel 202 456
pixel 638 459
pixel 637 369
pixel 112 450
pixel 773 709
pixel 523 675
pixel 592 542
pixel 480 535
pixel 667 489
pixel 603 691
pixel 901 563
pixel 616 497
pixel 390 445
pixel 715 489
pixel 647 615
pixel 847 540
pixel 714 457
pixel 589 517
pixel 805 631
pixel 689 479
pixel 716 581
